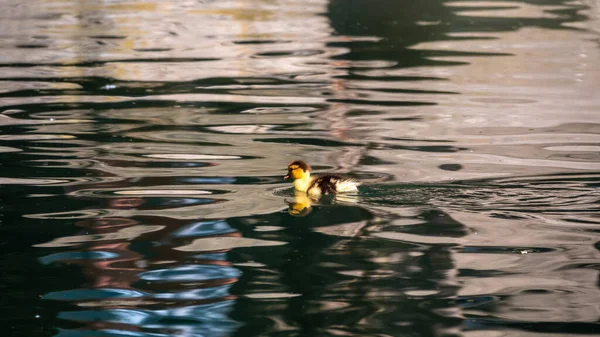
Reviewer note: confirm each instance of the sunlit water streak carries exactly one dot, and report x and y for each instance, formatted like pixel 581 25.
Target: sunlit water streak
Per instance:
pixel 144 144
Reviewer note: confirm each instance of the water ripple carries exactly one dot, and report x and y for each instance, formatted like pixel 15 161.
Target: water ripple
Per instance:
pixel 144 145
pixel 88 294
pixel 191 273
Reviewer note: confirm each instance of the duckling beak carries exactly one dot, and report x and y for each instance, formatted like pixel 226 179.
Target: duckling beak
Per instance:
pixel 287 176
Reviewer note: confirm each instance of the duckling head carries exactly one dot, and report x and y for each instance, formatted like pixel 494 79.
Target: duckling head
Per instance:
pixel 298 170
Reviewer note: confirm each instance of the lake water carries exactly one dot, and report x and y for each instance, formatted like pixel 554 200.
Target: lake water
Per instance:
pixel 143 146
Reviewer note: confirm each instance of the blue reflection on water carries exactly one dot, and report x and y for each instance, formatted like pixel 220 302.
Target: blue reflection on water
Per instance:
pixel 124 316
pixel 213 256
pixel 198 320
pixel 88 294
pixel 106 293
pixel 107 333
pixel 87 255
pixel 191 273
pixel 204 228
pixel 203 293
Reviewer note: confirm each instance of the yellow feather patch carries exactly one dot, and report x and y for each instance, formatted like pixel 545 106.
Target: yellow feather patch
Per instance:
pixel 297 173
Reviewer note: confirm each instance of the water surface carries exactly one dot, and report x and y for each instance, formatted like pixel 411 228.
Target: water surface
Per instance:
pixel 143 145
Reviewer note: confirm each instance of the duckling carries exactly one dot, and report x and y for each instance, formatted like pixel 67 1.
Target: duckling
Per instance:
pixel 325 184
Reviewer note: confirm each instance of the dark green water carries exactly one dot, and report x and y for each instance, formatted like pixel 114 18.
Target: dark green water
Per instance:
pixel 143 145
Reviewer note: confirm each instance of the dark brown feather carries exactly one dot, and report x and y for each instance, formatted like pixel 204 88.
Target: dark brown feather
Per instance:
pixel 304 166
pixel 327 183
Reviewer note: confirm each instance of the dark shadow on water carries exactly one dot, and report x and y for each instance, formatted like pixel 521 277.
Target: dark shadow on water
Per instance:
pixel 328 271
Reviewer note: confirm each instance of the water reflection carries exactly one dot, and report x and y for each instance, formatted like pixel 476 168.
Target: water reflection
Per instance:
pixel 143 144
pixel 301 205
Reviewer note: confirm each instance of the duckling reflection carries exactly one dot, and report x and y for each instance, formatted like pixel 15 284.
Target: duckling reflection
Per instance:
pixel 302 204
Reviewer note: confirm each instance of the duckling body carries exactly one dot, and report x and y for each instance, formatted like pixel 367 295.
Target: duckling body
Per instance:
pixel 325 184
